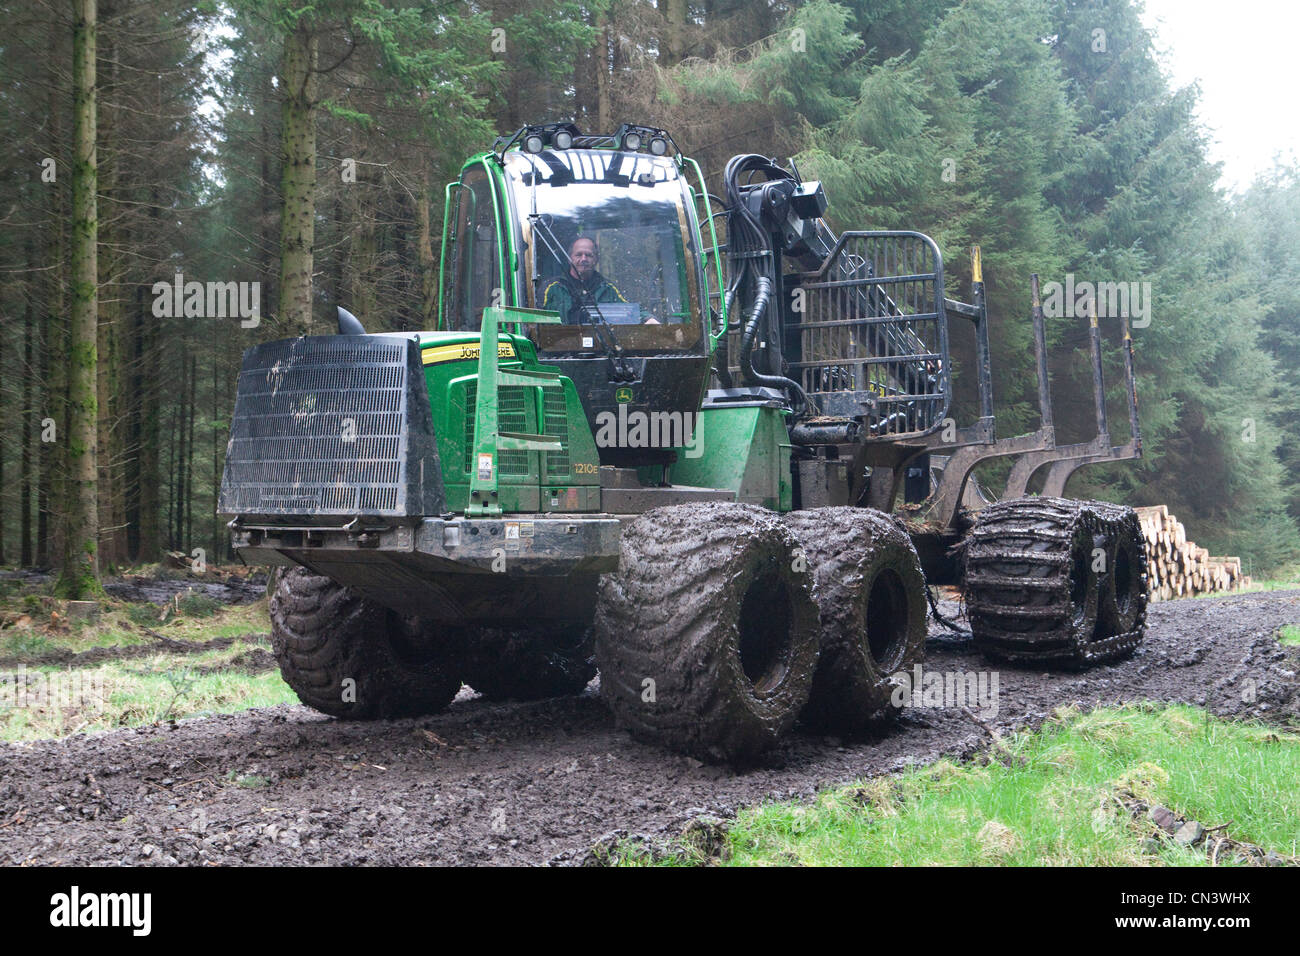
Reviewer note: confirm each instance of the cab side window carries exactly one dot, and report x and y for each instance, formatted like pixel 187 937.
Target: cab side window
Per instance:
pixel 476 266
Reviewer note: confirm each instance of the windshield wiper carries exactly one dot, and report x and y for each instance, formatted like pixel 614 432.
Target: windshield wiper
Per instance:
pixel 622 371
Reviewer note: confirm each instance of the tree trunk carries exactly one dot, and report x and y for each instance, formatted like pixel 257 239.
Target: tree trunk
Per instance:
pixel 109 438
pixel 266 266
pixel 298 181
pixel 600 65
pixel 135 376
pixel 53 495
pixel 189 465
pixel 359 272
pixel 214 552
pixel 176 527
pixel 80 571
pixel 584 85
pixel 29 373
pixel 3 339
pixel 428 264
pixel 674 48
pixel 150 368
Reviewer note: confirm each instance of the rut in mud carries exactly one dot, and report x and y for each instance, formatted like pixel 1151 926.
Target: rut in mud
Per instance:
pixel 536 783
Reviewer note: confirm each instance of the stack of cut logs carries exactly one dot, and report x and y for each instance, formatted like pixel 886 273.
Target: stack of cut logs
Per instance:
pixel 1177 567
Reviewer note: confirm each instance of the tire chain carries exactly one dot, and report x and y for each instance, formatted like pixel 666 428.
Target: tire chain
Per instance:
pixel 1000 538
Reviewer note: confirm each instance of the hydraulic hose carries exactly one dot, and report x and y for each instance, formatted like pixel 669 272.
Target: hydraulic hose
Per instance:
pixel 750 247
pixel 752 376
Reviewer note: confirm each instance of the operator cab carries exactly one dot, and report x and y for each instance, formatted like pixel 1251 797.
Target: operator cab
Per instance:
pixel 639 337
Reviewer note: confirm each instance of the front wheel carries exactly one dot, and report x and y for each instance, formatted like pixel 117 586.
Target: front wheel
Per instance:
pixel 347 656
pixel 706 636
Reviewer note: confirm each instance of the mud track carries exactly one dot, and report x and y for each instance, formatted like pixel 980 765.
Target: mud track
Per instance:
pixel 540 783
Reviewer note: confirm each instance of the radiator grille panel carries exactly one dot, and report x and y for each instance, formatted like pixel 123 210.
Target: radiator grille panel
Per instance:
pixel 512 416
pixel 557 426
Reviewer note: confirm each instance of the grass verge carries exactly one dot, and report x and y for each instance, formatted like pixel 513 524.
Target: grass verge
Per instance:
pixel 1288 579
pixel 1290 635
pixel 121 624
pixel 56 702
pixel 1056 796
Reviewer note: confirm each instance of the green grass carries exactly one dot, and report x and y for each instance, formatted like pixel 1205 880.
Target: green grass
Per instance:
pixel 139 690
pixel 249 781
pixel 1256 587
pixel 199 605
pixel 1049 798
pixel 1290 635
pixel 144 690
pixel 1286 579
pixel 24 642
pixel 201 619
pixel 146 615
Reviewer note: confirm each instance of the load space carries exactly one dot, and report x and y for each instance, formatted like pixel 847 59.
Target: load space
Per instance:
pixel 720 468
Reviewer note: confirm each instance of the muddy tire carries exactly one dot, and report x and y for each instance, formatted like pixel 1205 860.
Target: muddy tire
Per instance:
pixel 871 593
pixel 323 634
pixel 1040 583
pixel 707 635
pixel 1122 606
pixel 531 665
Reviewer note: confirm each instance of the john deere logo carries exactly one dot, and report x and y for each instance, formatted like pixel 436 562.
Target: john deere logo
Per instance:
pixel 623 396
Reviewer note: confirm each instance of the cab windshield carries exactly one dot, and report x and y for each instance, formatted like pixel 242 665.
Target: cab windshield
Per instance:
pixel 607 232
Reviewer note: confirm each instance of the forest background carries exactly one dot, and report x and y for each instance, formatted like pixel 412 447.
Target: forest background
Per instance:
pixel 305 147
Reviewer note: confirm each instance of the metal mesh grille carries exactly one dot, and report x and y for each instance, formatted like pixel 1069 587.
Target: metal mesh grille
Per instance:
pixel 320 427
pixel 557 426
pixel 512 416
pixel 873 339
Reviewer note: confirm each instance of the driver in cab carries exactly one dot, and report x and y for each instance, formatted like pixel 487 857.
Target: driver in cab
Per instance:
pixel 574 293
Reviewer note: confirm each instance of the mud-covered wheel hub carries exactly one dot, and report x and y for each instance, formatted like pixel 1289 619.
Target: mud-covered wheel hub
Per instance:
pixel 764 640
pixel 887 618
pixel 1123 601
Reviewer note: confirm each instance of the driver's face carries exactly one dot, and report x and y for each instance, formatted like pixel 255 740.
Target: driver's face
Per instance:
pixel 583 256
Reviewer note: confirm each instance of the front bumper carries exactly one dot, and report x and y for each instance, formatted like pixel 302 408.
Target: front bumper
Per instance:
pixel 513 545
pixel 480 571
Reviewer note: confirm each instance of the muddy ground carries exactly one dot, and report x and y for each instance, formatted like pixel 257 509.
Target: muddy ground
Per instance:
pixel 540 783
pixel 223 587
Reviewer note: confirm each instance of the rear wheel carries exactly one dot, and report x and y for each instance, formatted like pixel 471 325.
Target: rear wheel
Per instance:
pixel 350 657
pixel 1123 600
pixel 1041 577
pixel 707 635
pixel 872 597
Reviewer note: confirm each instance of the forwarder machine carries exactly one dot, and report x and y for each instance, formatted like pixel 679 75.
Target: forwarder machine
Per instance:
pixel 693 478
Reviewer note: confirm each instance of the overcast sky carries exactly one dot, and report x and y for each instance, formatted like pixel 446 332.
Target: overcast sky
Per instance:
pixel 1246 56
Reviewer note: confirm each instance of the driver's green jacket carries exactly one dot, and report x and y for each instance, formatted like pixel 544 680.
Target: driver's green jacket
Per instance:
pixel 567 296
